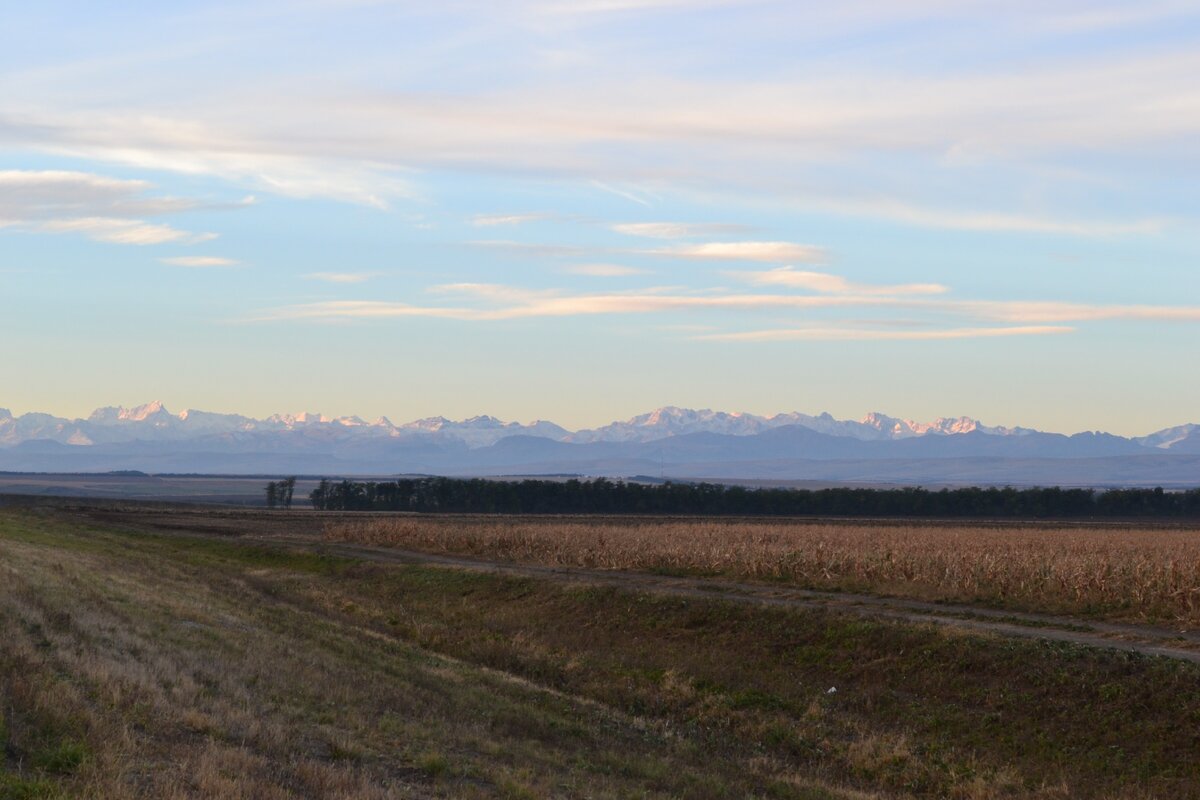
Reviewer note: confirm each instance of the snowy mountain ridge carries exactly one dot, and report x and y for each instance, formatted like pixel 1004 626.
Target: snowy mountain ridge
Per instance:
pixel 154 422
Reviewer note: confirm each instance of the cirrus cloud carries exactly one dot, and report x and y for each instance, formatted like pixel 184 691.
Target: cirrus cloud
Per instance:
pixel 100 207
pixel 831 284
pixel 677 230
pixel 867 334
pixel 770 252
pixel 483 302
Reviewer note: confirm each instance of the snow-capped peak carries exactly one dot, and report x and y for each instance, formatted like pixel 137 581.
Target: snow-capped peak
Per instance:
pixel 891 426
pixel 300 418
pixel 1169 437
pixel 486 421
pixel 674 421
pixel 112 414
pixel 145 411
pixel 431 424
pixel 947 425
pixel 897 428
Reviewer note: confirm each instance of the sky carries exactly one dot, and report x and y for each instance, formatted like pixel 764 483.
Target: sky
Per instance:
pixel 583 210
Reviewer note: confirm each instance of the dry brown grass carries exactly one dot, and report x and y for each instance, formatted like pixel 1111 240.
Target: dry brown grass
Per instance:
pixel 133 668
pixel 136 665
pixel 1126 573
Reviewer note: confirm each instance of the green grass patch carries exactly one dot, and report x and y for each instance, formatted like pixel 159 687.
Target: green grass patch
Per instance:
pixel 13 787
pixel 62 758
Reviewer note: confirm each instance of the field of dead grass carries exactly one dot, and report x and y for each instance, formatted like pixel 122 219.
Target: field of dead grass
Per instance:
pixel 177 665
pixel 139 667
pixel 1127 573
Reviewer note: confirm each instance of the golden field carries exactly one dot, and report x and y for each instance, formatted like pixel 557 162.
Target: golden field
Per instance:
pixel 1129 573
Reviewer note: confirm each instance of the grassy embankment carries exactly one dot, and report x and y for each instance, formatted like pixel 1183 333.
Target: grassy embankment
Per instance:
pixel 1115 572
pixel 138 665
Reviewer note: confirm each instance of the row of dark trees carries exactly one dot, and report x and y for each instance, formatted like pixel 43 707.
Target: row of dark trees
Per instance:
pixel 279 493
pixel 601 496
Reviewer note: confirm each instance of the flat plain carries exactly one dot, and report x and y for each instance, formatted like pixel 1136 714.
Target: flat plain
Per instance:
pixel 166 652
pixel 1118 571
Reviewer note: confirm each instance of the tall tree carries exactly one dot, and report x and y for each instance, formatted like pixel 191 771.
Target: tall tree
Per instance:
pixel 286 487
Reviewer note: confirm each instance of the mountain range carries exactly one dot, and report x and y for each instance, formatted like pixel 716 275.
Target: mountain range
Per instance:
pixel 668 442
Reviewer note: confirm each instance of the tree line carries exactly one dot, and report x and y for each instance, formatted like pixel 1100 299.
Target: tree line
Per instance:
pixel 279 493
pixel 603 496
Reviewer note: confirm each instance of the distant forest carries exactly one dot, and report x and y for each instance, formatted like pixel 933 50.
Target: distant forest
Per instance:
pixel 601 496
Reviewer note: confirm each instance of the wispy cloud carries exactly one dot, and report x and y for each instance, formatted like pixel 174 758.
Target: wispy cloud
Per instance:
pixel 99 207
pixel 985 221
pixel 697 127
pixel 482 302
pixel 514 303
pixel 759 252
pixel 199 261
pixel 341 277
pixel 867 334
pixel 493 220
pixel 1050 311
pixel 677 230
pixel 603 270
pixel 360 309
pixel 496 292
pixel 769 252
pixel 120 231
pixel 629 194
pixel 193 146
pixel 831 284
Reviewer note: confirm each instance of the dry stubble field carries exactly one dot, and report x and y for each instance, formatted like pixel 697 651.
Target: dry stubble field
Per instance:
pixel 197 660
pixel 1127 573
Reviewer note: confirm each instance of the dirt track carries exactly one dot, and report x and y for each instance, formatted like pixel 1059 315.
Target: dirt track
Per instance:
pixel 302 532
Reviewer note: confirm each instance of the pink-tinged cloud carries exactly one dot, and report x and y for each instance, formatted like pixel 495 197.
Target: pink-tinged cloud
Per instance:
pixel 362 309
pixel 1049 311
pixel 768 252
pixel 518 303
pixel 676 230
pixel 861 334
pixel 831 284
pixel 121 231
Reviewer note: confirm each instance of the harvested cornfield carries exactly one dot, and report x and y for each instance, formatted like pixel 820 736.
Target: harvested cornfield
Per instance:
pixel 1130 573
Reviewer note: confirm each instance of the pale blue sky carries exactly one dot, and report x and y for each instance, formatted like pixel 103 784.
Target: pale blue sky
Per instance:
pixel 584 210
